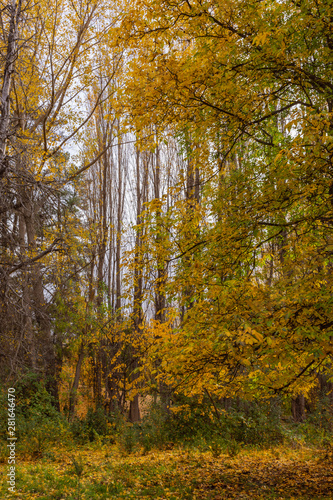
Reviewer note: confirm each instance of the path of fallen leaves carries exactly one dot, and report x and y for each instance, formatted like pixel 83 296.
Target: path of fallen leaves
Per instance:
pixel 174 474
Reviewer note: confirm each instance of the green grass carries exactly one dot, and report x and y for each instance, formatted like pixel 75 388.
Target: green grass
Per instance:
pixel 106 473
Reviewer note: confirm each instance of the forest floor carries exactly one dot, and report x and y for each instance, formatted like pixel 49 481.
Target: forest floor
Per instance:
pixel 101 473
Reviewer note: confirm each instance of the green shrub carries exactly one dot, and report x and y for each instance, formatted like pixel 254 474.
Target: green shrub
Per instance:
pixel 96 425
pixel 197 423
pixel 38 423
pixel 128 438
pixel 217 447
pixel 259 425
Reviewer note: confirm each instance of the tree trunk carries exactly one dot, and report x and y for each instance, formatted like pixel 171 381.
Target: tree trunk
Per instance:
pixel 43 322
pixel 134 410
pixel 75 386
pixel 298 408
pixel 10 58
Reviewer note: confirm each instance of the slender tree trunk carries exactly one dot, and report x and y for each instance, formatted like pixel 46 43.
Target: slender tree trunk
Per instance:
pixel 45 339
pixel 134 410
pixel 75 386
pixel 27 306
pixel 11 55
pixel 298 408
pixel 119 227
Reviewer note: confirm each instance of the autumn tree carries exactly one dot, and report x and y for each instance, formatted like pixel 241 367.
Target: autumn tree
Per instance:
pixel 258 78
pixel 44 46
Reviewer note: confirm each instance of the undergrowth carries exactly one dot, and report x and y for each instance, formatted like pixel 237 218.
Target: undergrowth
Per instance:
pixel 188 423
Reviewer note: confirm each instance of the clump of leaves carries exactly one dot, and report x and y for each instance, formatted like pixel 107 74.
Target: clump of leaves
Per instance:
pixel 35 446
pixel 327 447
pixel 216 448
pixel 3 452
pixel 77 466
pixel 96 426
pixel 78 471
pixel 49 455
pixel 234 448
pixel 128 438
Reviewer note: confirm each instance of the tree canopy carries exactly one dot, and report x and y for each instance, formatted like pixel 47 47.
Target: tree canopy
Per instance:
pixel 167 196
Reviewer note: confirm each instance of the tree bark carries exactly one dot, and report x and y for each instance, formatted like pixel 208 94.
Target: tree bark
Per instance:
pixel 11 55
pixel 75 386
pixel 298 408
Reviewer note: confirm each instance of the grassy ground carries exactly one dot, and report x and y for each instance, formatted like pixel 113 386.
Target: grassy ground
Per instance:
pixel 104 472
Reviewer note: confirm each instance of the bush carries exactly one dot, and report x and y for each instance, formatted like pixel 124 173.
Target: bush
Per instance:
pixel 93 425
pixel 154 431
pixel 96 425
pixel 38 423
pixel 196 423
pixel 129 438
pixel 258 425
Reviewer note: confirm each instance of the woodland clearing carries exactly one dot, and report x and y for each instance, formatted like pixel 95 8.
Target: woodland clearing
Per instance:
pixel 91 473
pixel 166 234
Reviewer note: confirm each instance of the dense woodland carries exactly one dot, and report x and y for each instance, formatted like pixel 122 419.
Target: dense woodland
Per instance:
pixel 166 207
